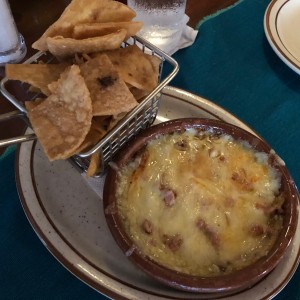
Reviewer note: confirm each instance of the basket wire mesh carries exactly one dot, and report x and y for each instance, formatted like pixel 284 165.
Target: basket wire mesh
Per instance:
pixel 141 117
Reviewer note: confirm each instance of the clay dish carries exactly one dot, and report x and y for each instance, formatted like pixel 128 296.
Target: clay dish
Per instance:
pixel 225 281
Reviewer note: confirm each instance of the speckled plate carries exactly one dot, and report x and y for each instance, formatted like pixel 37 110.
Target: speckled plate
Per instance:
pixel 65 210
pixel 281 24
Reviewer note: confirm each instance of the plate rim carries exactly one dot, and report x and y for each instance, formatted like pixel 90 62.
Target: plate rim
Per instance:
pixel 273 37
pixel 168 91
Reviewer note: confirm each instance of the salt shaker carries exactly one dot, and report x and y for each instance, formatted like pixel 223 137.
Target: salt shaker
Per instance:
pixel 12 45
pixel 163 21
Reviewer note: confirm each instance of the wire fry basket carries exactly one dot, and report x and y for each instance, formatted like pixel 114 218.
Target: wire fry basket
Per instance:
pixel 141 117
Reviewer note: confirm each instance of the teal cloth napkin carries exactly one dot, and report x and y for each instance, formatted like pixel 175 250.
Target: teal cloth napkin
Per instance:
pixel 233 65
pixel 27 269
pixel 230 63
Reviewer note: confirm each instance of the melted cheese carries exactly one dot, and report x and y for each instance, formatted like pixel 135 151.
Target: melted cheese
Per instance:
pixel 223 195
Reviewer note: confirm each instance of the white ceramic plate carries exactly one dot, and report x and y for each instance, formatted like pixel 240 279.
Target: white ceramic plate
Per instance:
pixel 65 210
pixel 282 29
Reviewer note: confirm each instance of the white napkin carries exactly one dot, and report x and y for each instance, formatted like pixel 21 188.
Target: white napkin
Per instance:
pixel 187 39
pixel 96 184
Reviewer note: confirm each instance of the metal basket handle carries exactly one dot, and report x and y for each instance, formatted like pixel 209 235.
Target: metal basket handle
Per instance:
pixel 139 118
pixel 19 139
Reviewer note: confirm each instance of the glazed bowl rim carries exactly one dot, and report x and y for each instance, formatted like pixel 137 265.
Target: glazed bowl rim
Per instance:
pixel 229 283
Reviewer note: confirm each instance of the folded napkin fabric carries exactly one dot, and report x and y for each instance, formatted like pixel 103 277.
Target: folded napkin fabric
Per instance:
pixel 233 65
pixel 187 38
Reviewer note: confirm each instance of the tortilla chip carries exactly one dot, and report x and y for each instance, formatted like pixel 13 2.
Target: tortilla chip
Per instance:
pixel 63 47
pixel 137 93
pixel 115 120
pixel 33 89
pixel 62 121
pixel 38 75
pixel 33 103
pixel 109 93
pixel 101 123
pixel 94 164
pixel 83 31
pixel 91 139
pixel 85 11
pixel 135 67
pixel 97 131
pixel 155 62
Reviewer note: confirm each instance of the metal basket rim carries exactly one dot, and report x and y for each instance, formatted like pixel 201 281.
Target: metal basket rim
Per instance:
pixel 129 116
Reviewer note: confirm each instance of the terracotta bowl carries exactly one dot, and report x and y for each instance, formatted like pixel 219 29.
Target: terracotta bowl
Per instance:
pixel 228 283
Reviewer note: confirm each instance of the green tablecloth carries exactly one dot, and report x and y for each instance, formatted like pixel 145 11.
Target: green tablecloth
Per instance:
pixel 232 64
